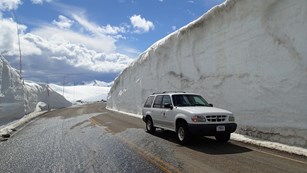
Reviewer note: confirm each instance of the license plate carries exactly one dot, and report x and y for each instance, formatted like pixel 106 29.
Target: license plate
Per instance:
pixel 220 128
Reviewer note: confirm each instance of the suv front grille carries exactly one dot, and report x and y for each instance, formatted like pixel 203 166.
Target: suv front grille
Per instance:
pixel 216 118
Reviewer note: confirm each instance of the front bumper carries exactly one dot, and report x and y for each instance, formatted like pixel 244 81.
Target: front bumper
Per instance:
pixel 211 129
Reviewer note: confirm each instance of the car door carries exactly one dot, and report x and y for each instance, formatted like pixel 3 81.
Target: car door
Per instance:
pixel 167 115
pixel 157 111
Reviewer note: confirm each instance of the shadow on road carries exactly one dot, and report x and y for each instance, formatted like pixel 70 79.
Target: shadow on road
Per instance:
pixel 204 144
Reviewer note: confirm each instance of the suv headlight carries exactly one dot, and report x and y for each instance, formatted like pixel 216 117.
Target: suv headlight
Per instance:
pixel 231 118
pixel 198 118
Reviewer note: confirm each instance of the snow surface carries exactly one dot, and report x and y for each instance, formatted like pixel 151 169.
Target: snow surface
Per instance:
pixel 248 57
pixel 19 98
pixel 82 93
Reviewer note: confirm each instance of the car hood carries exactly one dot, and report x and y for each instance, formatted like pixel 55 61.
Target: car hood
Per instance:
pixel 204 110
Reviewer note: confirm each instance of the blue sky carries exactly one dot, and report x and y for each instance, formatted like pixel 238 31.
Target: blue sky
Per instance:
pixel 84 40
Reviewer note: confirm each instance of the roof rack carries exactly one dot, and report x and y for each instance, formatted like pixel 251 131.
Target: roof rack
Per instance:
pixel 164 92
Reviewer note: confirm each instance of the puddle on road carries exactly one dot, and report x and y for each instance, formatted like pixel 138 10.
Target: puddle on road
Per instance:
pixel 115 124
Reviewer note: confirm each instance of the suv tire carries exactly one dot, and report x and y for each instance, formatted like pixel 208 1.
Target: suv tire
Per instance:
pixel 149 126
pixel 183 135
pixel 223 137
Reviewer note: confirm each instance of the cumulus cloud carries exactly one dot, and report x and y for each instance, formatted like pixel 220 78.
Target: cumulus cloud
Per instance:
pixel 48 50
pixel 78 56
pixel 40 1
pixel 63 22
pixel 8 37
pixel 9 4
pixel 141 24
pixel 101 43
pixel 97 29
pixel 71 44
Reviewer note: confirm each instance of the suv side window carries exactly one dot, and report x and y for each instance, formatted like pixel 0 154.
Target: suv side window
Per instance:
pixel 149 101
pixel 157 102
pixel 166 100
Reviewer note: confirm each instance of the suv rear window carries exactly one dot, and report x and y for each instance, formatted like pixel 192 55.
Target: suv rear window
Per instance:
pixel 157 102
pixel 149 101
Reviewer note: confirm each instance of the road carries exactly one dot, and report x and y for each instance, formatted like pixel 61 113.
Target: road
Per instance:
pixel 90 138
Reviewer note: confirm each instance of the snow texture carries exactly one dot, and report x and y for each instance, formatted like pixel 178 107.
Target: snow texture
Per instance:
pixel 246 56
pixel 18 99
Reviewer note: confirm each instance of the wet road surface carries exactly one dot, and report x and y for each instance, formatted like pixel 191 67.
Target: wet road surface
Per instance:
pixel 90 138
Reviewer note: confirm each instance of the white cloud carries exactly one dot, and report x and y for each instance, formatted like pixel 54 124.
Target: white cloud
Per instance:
pixel 40 1
pixel 8 37
pixel 71 44
pixel 50 50
pixel 101 43
pixel 9 4
pixel 86 26
pixel 112 29
pixel 78 56
pixel 141 24
pixel 63 22
pixel 96 29
pixel 174 28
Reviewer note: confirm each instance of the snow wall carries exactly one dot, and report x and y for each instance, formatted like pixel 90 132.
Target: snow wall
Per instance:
pixel 18 99
pixel 247 56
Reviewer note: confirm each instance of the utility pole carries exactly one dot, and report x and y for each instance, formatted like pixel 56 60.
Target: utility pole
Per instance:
pixel 48 94
pixel 20 66
pixel 63 83
pixel 20 63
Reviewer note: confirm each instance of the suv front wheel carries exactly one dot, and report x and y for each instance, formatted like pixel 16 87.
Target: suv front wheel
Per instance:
pixel 149 126
pixel 183 134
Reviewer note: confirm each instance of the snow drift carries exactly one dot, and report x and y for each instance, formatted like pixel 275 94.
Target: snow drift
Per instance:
pixel 18 99
pixel 246 56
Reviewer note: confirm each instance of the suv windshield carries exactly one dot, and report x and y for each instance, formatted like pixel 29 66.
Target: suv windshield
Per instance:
pixel 189 100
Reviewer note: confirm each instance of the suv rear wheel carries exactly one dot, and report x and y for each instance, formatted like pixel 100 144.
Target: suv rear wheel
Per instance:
pixel 149 126
pixel 183 134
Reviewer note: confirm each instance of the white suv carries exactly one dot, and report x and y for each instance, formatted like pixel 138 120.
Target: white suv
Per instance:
pixel 187 114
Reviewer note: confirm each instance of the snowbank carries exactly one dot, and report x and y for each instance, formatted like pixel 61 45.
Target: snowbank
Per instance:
pixel 18 99
pixel 248 56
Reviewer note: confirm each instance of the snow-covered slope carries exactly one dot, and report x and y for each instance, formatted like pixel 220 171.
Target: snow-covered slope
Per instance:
pixel 35 93
pixel 84 93
pixel 99 83
pixel 18 99
pixel 246 56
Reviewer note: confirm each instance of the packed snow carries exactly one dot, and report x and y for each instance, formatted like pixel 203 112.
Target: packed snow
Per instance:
pixel 248 57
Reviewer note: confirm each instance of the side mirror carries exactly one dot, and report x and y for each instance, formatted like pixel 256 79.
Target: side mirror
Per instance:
pixel 210 105
pixel 169 106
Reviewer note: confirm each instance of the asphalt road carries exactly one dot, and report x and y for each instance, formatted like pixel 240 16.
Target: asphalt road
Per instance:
pixel 90 138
